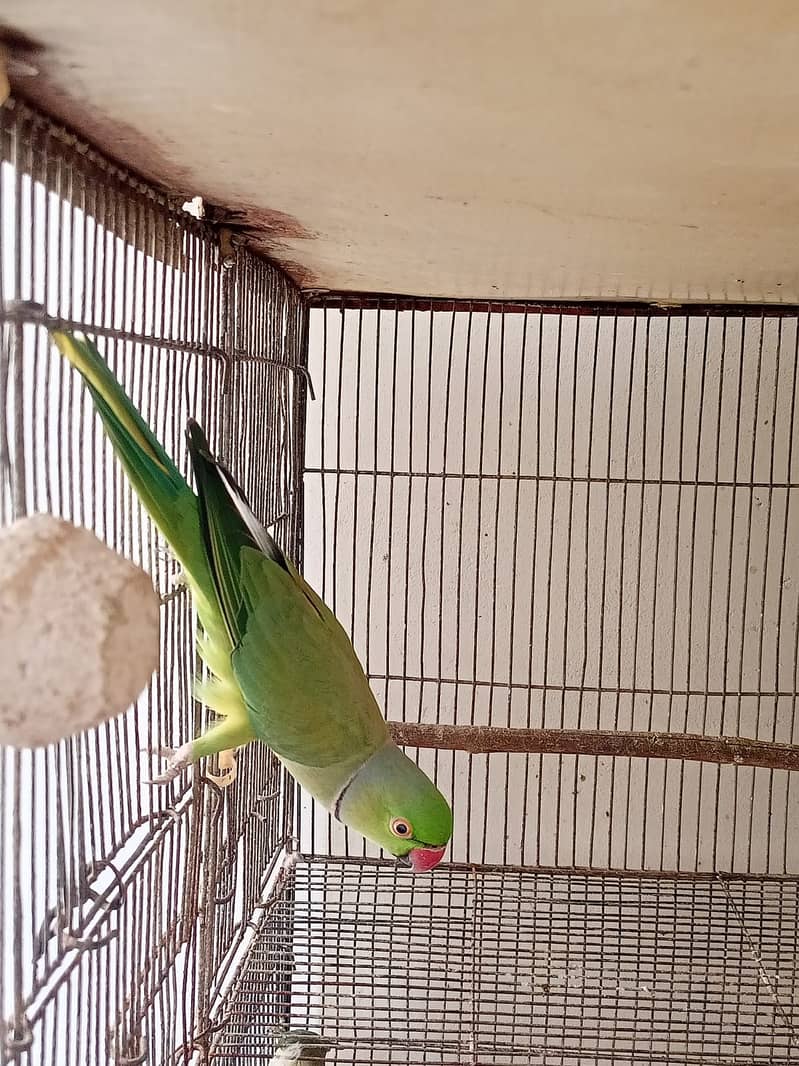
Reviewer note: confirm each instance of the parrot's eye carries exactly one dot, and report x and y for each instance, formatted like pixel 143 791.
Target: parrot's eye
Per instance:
pixel 401 827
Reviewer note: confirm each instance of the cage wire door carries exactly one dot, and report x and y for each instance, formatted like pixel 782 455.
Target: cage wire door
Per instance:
pixel 123 906
pixel 574 519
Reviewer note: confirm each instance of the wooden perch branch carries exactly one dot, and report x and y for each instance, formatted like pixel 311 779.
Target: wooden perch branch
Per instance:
pixel 685 746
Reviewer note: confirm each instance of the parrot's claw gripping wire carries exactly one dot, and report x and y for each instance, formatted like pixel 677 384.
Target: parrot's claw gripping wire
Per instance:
pixel 178 760
pixel 228 769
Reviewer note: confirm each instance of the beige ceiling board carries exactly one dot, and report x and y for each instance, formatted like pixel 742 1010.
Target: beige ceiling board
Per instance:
pixel 571 150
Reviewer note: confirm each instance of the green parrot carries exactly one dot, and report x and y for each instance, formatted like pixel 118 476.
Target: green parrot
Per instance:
pixel 299 1047
pixel 282 670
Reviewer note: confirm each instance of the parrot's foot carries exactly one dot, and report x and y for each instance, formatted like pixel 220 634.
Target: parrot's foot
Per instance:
pixel 167 556
pixel 227 769
pixel 178 760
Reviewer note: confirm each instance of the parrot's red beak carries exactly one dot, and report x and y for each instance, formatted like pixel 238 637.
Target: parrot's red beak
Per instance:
pixel 424 859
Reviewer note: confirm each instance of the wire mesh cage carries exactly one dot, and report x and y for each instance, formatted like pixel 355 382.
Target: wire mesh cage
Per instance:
pixel 578 521
pixel 103 878
pixel 564 541
pixel 502 965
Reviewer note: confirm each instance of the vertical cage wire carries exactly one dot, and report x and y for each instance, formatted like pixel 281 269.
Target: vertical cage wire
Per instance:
pixel 123 905
pixel 568 520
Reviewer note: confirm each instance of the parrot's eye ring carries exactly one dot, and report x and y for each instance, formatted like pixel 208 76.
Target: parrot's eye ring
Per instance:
pixel 402 828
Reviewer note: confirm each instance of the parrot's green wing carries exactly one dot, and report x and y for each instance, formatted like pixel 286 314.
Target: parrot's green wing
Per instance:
pixel 309 702
pixel 305 690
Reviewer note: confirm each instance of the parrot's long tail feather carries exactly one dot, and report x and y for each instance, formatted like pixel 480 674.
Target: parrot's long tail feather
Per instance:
pixel 158 483
pixel 173 506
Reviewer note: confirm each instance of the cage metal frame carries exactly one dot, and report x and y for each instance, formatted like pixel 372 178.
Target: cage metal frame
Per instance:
pixel 228 298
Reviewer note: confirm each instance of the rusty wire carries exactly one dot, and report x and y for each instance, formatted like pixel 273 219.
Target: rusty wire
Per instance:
pixel 122 905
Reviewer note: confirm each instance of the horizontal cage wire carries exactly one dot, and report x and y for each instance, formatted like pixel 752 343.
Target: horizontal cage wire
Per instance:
pixel 123 906
pixel 539 519
pixel 504 966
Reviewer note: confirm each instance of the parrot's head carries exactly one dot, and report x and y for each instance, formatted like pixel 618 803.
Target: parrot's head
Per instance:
pixel 393 804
